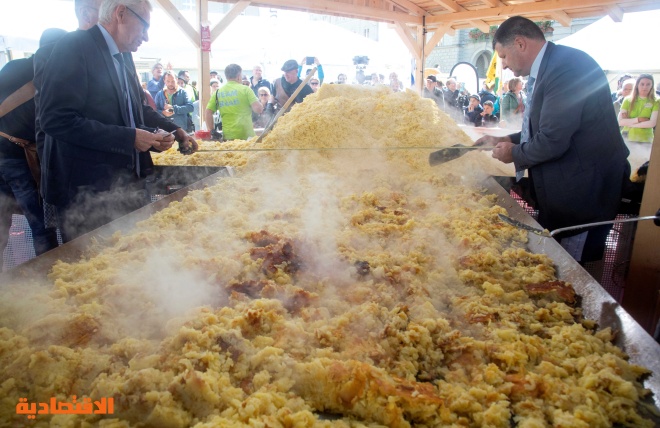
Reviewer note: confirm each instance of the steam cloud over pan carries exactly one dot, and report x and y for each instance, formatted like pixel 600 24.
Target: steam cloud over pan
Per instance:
pixel 357 283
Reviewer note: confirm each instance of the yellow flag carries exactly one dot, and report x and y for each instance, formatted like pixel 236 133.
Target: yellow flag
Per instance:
pixel 491 74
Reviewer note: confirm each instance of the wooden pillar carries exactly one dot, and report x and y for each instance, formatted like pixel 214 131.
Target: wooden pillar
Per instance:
pixel 203 62
pixel 194 34
pixel 414 45
pixel 419 62
pixel 642 292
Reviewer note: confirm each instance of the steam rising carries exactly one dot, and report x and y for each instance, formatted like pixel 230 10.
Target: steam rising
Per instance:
pixel 189 256
pixel 309 270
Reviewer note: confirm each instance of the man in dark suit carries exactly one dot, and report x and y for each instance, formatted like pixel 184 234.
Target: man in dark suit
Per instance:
pixel 98 131
pixel 570 142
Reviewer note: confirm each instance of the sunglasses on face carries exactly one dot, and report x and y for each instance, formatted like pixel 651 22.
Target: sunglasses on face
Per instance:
pixel 263 95
pixel 314 83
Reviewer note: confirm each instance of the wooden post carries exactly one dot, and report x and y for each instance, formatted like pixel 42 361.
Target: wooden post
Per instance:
pixel 203 64
pixel 640 296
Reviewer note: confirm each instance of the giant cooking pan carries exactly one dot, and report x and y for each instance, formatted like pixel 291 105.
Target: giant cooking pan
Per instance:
pixel 597 304
pixel 71 251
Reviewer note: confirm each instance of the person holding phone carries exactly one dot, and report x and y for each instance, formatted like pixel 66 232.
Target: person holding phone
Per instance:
pixel 309 60
pixel 172 102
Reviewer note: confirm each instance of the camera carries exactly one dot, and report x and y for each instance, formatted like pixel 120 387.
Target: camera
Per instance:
pixel 462 102
pixel 309 60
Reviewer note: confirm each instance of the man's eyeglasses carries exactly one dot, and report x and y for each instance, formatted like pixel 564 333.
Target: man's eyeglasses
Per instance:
pixel 145 24
pixel 314 83
pixel 263 95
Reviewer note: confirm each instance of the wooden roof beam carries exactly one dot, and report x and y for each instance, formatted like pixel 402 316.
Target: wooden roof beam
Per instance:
pixel 481 25
pixel 616 13
pixel 518 9
pixel 408 39
pixel 181 22
pixel 438 34
pixel 450 5
pixel 409 6
pixel 561 17
pixel 226 20
pixel 343 9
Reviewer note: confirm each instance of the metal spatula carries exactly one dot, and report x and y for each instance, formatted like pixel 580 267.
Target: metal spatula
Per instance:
pixel 453 152
pixel 546 233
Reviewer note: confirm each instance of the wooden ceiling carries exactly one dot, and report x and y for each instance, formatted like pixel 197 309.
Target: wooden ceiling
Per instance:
pixel 458 14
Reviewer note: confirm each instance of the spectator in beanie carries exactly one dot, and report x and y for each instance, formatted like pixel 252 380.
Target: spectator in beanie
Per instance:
pixel 474 110
pixel 431 91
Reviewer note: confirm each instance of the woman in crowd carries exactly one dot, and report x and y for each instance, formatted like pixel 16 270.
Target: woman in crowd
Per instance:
pixel 314 83
pixel 262 120
pixel 512 105
pixel 626 89
pixel 395 83
pixel 639 111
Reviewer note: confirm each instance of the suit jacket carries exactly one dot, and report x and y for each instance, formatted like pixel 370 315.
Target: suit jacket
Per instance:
pixel 40 58
pixel 576 156
pixel 89 140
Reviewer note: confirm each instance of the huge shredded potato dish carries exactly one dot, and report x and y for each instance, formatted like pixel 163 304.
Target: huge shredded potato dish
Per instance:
pixel 348 287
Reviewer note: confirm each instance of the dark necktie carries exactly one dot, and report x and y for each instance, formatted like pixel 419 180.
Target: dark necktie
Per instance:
pixel 524 132
pixel 126 89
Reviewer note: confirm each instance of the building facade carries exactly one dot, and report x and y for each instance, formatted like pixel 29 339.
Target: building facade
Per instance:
pixel 476 48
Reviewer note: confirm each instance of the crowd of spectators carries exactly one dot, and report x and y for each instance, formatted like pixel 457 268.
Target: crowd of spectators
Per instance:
pixel 127 121
pixel 636 102
pixel 272 96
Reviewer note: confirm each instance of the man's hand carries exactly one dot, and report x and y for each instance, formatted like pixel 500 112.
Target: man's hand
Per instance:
pixel 491 140
pixel 168 110
pixel 187 144
pixel 159 140
pixel 166 139
pixel 503 151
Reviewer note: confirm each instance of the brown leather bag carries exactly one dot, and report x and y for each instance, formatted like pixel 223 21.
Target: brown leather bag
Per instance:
pixel 33 162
